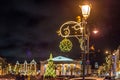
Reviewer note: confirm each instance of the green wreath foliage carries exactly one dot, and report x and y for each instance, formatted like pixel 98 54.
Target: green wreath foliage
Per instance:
pixel 65 45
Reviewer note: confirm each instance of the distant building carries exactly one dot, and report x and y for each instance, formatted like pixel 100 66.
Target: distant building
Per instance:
pixel 63 66
pixel 24 68
pixel 116 62
pixel 2 66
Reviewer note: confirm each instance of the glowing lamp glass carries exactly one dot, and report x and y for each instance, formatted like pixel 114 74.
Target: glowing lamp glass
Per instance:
pixel 85 10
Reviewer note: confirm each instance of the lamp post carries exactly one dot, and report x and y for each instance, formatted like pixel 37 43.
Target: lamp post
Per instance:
pixel 78 30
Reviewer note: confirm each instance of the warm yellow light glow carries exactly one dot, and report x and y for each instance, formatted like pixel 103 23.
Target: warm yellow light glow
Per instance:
pixel 95 31
pixel 85 10
pixel 113 53
pixel 106 52
pixel 92 47
pixel 81 28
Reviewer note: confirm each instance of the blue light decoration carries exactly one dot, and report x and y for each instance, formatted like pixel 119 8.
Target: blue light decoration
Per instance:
pixel 61 58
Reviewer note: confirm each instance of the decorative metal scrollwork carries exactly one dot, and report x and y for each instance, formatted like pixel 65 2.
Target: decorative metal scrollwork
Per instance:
pixel 81 41
pixel 72 29
pixel 68 29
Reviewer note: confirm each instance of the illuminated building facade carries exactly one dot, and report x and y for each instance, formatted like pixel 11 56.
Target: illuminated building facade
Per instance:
pixel 63 66
pixel 2 66
pixel 116 62
pixel 24 68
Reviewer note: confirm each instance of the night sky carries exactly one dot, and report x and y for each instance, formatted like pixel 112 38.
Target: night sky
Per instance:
pixel 28 27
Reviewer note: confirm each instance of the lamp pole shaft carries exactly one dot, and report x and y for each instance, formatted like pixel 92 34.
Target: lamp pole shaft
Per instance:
pixel 88 61
pixel 84 44
pixel 84 66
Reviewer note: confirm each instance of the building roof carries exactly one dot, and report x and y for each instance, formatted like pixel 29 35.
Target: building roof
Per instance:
pixel 61 58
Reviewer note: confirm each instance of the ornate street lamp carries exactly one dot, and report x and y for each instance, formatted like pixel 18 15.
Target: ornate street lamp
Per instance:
pixel 85 10
pixel 78 30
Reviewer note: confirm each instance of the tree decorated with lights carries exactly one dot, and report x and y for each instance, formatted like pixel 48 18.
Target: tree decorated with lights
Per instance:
pixel 107 64
pixel 50 70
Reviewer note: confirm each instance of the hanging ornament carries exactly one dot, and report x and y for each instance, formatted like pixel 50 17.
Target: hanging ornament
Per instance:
pixel 65 45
